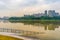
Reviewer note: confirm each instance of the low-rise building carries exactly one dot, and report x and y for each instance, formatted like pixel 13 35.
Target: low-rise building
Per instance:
pixel 38 15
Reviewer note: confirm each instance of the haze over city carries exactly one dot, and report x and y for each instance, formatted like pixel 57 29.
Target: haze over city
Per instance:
pixel 21 7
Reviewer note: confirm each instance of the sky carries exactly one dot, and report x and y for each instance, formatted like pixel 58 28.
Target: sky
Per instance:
pixel 21 7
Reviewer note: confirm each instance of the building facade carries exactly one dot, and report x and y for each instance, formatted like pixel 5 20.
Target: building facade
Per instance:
pixel 52 13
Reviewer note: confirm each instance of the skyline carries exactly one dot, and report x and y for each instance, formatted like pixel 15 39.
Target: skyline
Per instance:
pixel 21 7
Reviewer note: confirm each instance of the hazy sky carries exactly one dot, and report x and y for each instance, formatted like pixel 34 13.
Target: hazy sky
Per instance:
pixel 21 7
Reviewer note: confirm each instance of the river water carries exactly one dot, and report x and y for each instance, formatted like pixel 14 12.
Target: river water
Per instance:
pixel 40 31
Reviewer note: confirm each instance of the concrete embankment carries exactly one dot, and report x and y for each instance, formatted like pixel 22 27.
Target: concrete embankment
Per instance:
pixel 16 36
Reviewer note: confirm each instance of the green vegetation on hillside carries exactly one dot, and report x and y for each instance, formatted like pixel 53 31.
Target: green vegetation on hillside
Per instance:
pixel 32 18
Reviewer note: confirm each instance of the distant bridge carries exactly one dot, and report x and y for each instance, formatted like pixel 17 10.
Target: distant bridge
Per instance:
pixel 19 32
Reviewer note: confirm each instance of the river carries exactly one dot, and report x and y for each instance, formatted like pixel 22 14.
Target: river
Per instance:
pixel 39 31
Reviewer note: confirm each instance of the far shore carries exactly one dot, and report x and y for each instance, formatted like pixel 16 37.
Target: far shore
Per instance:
pixel 34 20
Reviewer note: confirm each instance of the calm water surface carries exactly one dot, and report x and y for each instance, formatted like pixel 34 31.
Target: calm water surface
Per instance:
pixel 43 31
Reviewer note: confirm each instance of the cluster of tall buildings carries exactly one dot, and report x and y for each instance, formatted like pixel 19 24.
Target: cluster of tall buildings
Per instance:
pixel 50 13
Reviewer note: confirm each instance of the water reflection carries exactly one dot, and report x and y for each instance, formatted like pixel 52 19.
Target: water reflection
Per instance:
pixel 42 30
pixel 51 27
pixel 17 31
pixel 47 26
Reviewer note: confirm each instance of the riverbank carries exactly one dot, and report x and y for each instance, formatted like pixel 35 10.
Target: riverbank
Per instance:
pixel 3 37
pixel 34 20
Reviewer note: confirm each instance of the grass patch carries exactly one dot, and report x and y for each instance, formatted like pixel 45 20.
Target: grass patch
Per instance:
pixel 8 38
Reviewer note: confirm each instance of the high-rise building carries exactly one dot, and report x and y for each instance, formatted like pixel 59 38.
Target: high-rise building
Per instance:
pixel 45 12
pixel 57 14
pixel 51 13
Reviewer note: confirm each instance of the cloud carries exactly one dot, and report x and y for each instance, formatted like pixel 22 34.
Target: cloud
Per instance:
pixel 2 5
pixel 55 6
pixel 43 5
pixel 16 4
pixel 27 6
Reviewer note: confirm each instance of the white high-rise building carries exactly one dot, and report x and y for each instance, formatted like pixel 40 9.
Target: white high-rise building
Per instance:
pixel 52 13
